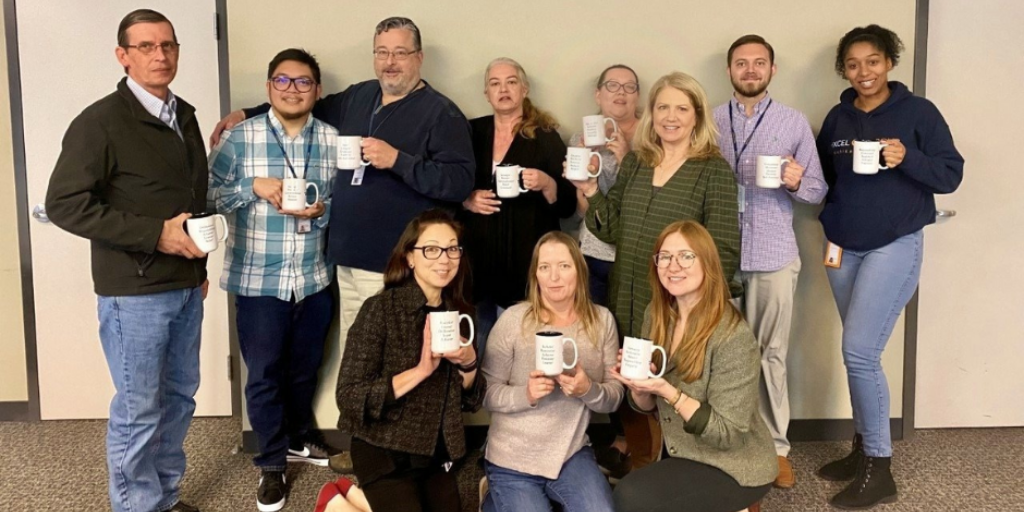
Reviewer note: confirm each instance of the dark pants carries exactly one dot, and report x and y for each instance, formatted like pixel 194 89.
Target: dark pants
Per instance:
pixel 430 489
pixel 599 272
pixel 682 485
pixel 282 343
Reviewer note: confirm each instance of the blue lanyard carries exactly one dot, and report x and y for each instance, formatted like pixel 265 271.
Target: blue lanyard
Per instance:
pixel 309 149
pixel 739 152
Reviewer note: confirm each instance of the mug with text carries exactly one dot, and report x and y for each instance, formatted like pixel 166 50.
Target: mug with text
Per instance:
pixel 444 331
pixel 506 181
pixel 350 152
pixel 595 130
pixel 293 194
pixel 769 171
pixel 550 355
pixel 636 359
pixel 576 162
pixel 202 229
pixel 867 156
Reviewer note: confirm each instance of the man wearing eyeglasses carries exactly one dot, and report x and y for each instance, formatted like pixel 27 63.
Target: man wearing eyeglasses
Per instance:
pixel 275 264
pixel 420 153
pixel 752 125
pixel 132 169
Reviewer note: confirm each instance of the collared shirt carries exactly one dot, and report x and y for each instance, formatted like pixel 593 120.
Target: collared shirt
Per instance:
pixel 166 111
pixel 768 242
pixel 266 255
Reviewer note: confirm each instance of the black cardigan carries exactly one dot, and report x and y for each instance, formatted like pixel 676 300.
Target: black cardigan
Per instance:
pixel 499 246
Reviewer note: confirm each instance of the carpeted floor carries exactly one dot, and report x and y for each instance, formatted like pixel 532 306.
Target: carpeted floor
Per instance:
pixel 59 466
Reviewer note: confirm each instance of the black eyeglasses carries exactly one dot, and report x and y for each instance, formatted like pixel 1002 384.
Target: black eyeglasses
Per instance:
pixel 169 47
pixel 282 83
pixel 613 86
pixel 684 259
pixel 433 252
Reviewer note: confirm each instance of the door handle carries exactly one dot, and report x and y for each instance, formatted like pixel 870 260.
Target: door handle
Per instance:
pixel 944 214
pixel 39 213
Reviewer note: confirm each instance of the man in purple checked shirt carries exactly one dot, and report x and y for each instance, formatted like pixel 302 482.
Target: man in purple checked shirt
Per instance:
pixel 753 124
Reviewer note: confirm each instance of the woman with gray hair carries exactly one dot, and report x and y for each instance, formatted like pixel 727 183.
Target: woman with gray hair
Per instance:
pixel 501 231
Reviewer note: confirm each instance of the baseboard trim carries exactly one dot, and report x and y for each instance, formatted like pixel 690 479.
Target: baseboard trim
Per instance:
pixel 16 411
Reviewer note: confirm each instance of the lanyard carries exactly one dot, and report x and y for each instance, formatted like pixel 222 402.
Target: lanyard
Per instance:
pixel 737 153
pixel 378 105
pixel 309 149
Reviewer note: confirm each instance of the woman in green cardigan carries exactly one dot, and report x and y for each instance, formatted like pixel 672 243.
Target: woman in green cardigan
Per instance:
pixel 675 172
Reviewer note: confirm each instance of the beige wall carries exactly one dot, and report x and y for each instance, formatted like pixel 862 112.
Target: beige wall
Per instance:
pixel 563 49
pixel 13 377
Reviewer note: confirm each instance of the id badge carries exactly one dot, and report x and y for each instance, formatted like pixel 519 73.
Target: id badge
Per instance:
pixel 357 176
pixel 304 226
pixel 833 255
pixel 741 197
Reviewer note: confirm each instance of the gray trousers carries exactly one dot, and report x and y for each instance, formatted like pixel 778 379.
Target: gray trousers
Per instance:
pixel 767 305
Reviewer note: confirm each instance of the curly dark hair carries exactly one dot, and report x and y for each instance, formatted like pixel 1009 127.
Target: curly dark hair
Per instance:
pixel 881 38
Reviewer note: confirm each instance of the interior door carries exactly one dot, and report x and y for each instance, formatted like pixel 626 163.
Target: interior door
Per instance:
pixel 66 49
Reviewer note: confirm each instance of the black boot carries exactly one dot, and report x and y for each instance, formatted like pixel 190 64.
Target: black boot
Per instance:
pixel 845 468
pixel 872 485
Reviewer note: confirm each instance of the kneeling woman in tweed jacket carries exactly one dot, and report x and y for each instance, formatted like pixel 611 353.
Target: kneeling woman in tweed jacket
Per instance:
pixel 401 402
pixel 717 454
pixel 537 447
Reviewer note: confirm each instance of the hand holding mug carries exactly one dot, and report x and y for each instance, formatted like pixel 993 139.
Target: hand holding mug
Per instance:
pixel 534 179
pixel 588 187
pixel 538 387
pixel 428 360
pixel 380 154
pixel 483 202
pixel 619 147
pixel 175 241
pixel 465 355
pixel 792 174
pixel 270 189
pixel 313 212
pixel 575 385
pixel 893 152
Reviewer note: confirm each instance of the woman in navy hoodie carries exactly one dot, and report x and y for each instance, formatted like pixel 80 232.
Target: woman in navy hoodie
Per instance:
pixel 874 223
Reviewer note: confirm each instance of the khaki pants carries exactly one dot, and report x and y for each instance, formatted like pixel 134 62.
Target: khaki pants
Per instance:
pixel 767 305
pixel 354 287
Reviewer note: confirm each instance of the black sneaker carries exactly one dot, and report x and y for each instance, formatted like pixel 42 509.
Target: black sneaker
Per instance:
pixel 273 491
pixel 313 450
pixel 613 463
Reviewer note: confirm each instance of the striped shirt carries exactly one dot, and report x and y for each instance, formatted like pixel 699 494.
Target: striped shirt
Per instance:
pixel 266 255
pixel 766 222
pixel 166 111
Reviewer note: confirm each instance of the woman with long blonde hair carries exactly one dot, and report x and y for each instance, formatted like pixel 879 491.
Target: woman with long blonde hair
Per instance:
pixel 719 455
pixel 537 447
pixel 674 172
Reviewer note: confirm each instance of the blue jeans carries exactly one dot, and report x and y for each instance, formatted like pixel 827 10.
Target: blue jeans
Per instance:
pixel 580 487
pixel 282 343
pixel 871 288
pixel 599 272
pixel 151 343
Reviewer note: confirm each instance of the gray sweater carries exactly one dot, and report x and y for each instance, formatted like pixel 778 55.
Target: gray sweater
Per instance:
pixel 538 440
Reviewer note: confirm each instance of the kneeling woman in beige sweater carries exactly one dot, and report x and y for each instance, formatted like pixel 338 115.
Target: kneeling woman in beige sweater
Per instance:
pixel 537 447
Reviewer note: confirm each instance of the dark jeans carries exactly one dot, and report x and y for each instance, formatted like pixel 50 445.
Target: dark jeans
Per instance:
pixel 599 272
pixel 282 343
pixel 681 485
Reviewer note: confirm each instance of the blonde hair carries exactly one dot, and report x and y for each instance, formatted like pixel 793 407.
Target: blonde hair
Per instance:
pixel 703 139
pixel 712 308
pixel 586 312
pixel 533 117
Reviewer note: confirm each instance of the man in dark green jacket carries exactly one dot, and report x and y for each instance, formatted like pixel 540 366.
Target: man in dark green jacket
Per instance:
pixel 131 171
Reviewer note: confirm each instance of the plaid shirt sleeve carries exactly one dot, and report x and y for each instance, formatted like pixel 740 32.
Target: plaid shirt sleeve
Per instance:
pixel 229 188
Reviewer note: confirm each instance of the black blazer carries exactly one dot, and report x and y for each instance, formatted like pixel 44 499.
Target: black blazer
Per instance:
pixel 499 246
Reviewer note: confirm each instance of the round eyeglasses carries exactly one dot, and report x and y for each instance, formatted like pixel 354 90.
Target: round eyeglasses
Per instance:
pixel 613 86
pixel 684 259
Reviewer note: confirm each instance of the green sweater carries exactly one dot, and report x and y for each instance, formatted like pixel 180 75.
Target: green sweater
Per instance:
pixel 632 216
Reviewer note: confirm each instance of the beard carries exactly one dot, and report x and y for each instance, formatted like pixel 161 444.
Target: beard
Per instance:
pixel 750 90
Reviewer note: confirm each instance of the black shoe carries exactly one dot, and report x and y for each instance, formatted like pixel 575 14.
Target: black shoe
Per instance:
pixel 872 485
pixel 845 468
pixel 183 507
pixel 273 491
pixel 613 463
pixel 312 450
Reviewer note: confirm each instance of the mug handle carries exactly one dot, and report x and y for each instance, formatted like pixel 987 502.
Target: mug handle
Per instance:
pixel 575 353
pixel 600 161
pixel 615 128
pixel 224 224
pixel 316 193
pixel 664 362
pixel 881 159
pixel 519 179
pixel 472 332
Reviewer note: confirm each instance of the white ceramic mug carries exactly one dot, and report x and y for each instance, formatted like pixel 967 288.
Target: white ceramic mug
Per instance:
pixel 636 359
pixel 576 162
pixel 293 194
pixel 350 152
pixel 506 181
pixel 444 331
pixel 769 171
pixel 867 156
pixel 549 347
pixel 594 130
pixel 202 229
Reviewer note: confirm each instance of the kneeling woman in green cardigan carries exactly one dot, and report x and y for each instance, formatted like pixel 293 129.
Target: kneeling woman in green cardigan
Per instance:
pixel 718 455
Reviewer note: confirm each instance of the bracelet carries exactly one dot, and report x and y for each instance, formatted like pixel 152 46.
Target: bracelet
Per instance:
pixel 469 367
pixel 672 403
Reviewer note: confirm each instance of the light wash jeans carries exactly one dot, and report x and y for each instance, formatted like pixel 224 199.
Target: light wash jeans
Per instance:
pixel 580 487
pixel 151 343
pixel 871 288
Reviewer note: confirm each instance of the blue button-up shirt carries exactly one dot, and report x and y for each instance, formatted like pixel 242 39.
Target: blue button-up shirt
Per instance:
pixel 766 219
pixel 266 255
pixel 166 111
